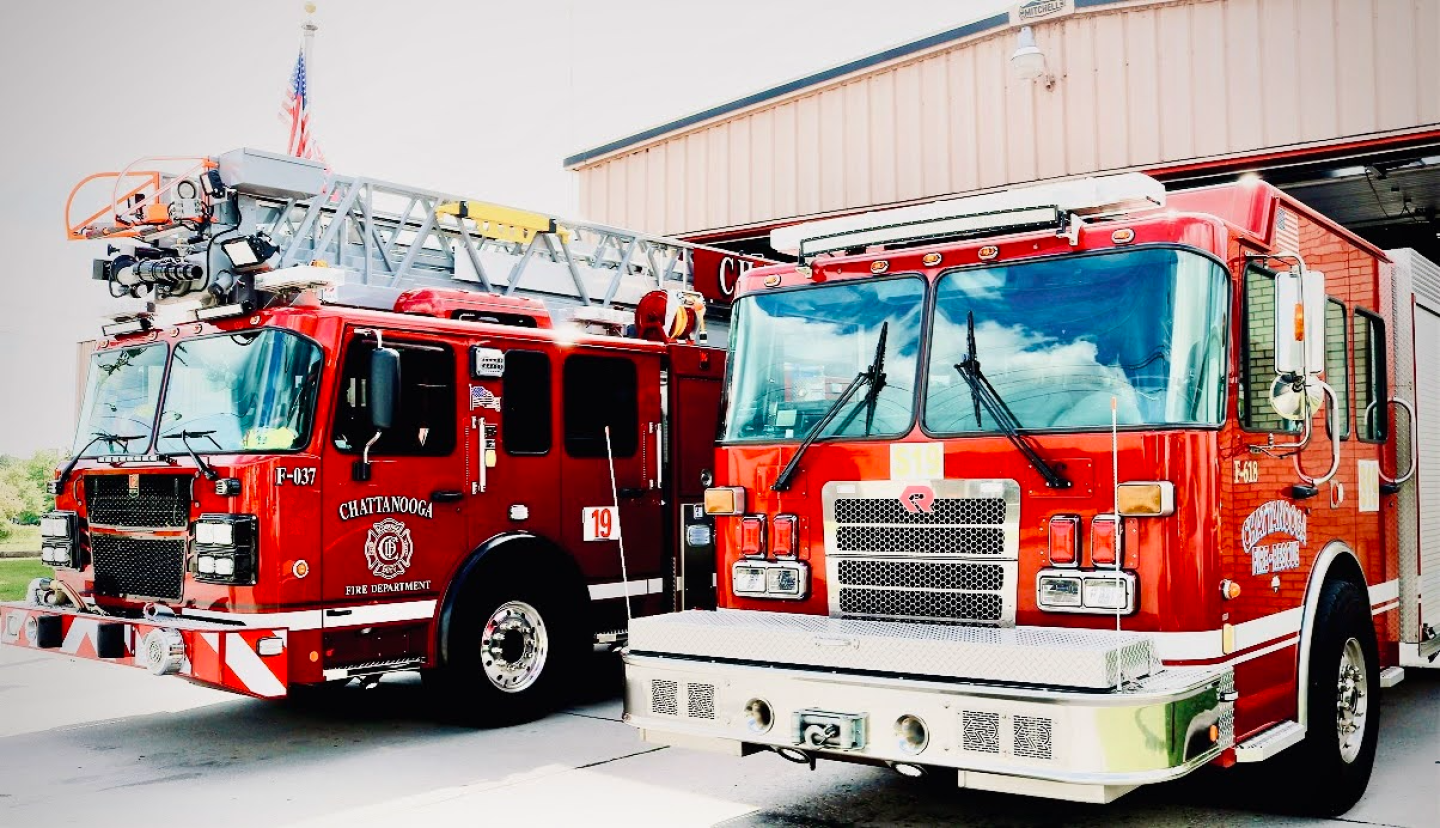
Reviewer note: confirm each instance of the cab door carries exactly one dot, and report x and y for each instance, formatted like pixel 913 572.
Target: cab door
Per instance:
pixel 619 390
pixel 392 535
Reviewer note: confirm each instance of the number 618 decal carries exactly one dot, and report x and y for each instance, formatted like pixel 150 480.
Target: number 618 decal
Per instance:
pixel 602 523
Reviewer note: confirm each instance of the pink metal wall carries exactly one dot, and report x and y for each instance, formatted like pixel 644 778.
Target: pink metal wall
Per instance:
pixel 1136 85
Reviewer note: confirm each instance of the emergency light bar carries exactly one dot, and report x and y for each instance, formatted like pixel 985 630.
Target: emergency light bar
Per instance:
pixel 1028 218
pixel 986 214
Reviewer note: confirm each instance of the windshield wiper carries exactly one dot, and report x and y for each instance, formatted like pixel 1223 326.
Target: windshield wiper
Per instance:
pixel 983 393
pixel 210 474
pixel 123 440
pixel 872 375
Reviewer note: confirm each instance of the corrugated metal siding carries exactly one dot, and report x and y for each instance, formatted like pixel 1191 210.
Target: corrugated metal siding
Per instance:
pixel 1137 85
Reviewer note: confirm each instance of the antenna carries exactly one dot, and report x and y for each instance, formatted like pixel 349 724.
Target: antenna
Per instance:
pixel 620 538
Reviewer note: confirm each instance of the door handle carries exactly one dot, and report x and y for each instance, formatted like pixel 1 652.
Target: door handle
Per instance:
pixel 446 495
pixel 630 494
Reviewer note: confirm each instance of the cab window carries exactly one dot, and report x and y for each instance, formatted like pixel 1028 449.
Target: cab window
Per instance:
pixel 600 391
pixel 424 413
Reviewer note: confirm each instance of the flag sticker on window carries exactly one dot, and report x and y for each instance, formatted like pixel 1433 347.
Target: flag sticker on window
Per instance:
pixel 480 397
pixel 602 523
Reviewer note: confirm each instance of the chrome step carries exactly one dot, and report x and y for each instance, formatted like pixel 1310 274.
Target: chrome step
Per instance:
pixel 1391 676
pixel 1270 742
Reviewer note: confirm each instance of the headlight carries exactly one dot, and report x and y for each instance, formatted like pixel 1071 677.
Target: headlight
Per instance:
pixel 1106 593
pixel 788 580
pixel 1102 591
pixel 749 579
pixel 226 548
pixel 59 539
pixel 1060 591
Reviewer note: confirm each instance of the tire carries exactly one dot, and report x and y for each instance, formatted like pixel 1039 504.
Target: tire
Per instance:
pixel 1333 764
pixel 513 643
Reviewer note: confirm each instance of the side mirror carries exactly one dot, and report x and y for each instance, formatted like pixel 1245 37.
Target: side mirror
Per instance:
pixel 1299 322
pixel 384 394
pixel 384 388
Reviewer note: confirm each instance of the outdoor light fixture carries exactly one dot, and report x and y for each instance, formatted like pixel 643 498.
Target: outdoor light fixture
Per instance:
pixel 248 252
pixel 1027 61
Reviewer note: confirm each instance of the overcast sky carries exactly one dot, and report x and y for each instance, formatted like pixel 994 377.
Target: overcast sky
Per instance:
pixel 476 97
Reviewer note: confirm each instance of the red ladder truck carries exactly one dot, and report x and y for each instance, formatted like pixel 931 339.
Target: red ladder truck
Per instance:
pixel 1062 491
pixel 337 433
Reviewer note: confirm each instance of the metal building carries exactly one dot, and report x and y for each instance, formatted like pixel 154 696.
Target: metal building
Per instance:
pixel 1337 101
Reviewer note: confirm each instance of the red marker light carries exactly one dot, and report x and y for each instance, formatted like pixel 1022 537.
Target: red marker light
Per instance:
pixel 785 543
pixel 1064 540
pixel 752 536
pixel 1104 540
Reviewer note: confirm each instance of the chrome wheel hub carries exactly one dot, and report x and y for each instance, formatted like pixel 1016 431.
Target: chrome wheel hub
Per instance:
pixel 513 646
pixel 1351 700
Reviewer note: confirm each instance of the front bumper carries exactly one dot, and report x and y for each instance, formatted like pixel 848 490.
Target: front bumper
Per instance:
pixel 248 660
pixel 1062 737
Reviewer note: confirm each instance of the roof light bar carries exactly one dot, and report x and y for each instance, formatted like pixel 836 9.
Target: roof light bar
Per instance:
pixel 927 229
pixel 976 214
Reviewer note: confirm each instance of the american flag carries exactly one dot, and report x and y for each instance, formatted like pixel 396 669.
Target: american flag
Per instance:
pixel 296 110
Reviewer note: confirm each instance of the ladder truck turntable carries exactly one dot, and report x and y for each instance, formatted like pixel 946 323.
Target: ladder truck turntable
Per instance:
pixel 361 428
pixel 1061 491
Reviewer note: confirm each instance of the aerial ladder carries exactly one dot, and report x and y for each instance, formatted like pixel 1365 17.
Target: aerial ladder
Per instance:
pixel 205 232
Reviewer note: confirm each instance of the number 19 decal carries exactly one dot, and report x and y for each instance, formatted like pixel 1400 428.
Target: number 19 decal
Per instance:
pixel 602 523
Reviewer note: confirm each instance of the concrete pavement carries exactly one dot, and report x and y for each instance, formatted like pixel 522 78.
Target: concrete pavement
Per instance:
pixel 85 743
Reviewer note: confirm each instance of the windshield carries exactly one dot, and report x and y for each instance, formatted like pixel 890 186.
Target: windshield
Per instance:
pixel 1060 338
pixel 121 395
pixel 253 391
pixel 795 352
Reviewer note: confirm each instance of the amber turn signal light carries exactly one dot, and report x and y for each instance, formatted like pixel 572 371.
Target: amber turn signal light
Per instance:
pixel 1149 499
pixel 724 500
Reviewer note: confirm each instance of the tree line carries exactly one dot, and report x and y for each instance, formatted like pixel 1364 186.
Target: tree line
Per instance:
pixel 23 498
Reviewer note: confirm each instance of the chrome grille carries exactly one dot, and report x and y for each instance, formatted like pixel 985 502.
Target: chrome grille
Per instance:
pixel 157 501
pixel 906 603
pixel 139 567
pixel 978 510
pixel 950 556
pixel 968 577
pixel 922 540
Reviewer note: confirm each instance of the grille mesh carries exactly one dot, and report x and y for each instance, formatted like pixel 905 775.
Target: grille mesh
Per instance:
pixel 142 567
pixel 664 697
pixel 1032 737
pixel 922 575
pixel 989 511
pixel 936 540
pixel 954 606
pixel 161 500
pixel 700 701
pixel 980 732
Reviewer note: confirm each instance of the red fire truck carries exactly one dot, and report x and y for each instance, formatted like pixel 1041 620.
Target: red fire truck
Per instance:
pixel 1062 491
pixel 346 437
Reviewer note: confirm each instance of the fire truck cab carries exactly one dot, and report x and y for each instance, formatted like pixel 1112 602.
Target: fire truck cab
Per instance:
pixel 291 472
pixel 1059 491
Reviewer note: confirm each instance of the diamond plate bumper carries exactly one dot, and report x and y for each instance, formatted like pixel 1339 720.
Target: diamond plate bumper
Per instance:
pixel 1022 710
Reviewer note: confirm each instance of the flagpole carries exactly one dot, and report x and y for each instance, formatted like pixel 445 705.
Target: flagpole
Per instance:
pixel 307 32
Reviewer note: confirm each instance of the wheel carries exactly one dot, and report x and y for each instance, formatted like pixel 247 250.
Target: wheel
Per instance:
pixel 512 644
pixel 1335 759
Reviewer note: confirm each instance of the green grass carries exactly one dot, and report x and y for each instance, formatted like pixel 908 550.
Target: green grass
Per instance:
pixel 22 539
pixel 16 573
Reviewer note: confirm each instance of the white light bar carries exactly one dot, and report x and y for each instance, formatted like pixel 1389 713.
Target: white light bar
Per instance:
pixel 300 277
pixel 1083 196
pixel 953 227
pixel 214 312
